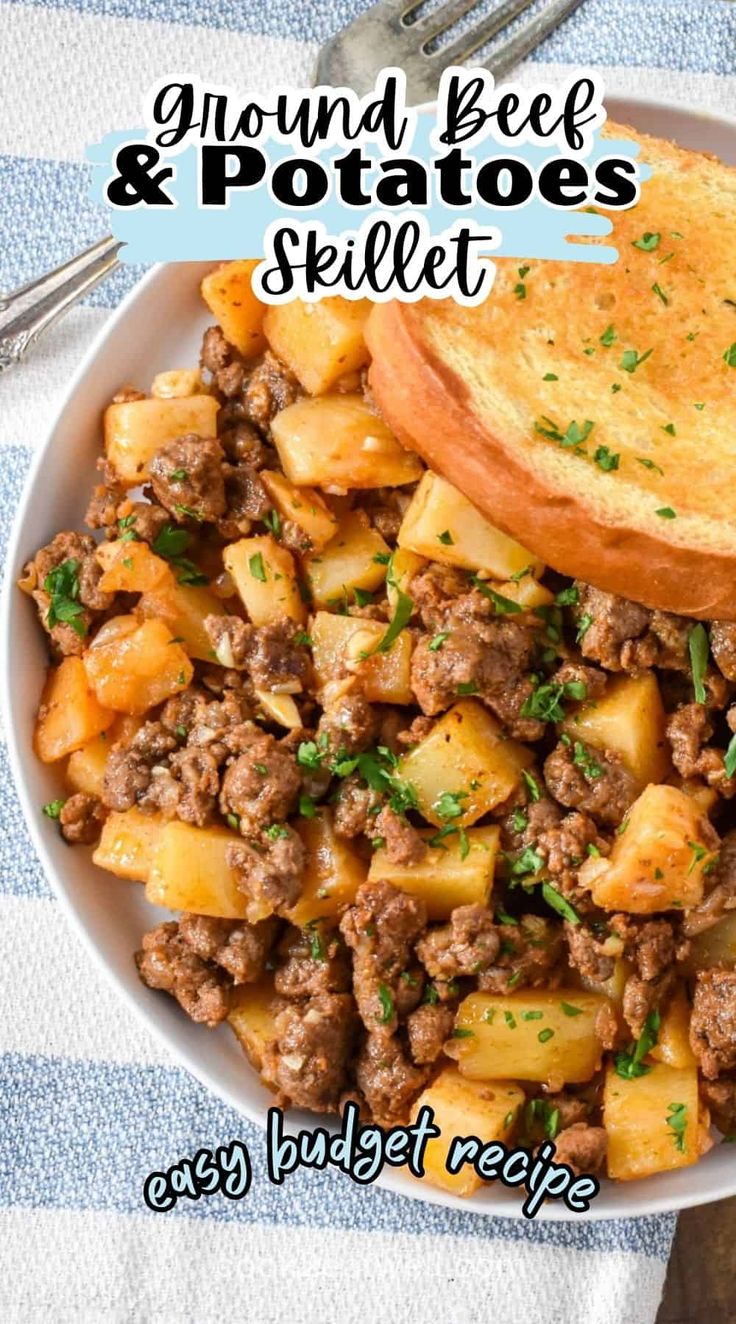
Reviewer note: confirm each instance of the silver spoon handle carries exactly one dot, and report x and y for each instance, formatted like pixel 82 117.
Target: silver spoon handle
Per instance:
pixel 30 310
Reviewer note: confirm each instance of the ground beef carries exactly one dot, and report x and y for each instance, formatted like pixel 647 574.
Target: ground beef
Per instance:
pixel 465 946
pixel 198 775
pixel 652 945
pixel 353 808
pixel 720 1098
pixel 722 896
pixel 525 825
pixel 571 1108
pixel 243 444
pixel 428 1028
pixel 187 478
pixel 129 765
pixel 144 519
pixel 231 639
pixel 688 730
pixel 261 786
pixel 221 725
pixel 348 726
pixel 105 499
pixel 404 846
pixel 81 819
pixel 381 927
pixel 588 953
pixel 528 955
pixel 386 507
pixel 606 1027
pixel 582 1148
pixel 624 636
pixel 239 948
pixel 85 572
pixel 216 352
pixel 307 1061
pixel 713 1022
pixel 723 647
pixel 642 997
pixel 312 960
pixel 564 846
pixel 276 661
pixel 270 387
pixel 388 1079
pixel 595 781
pixel 444 597
pixel 200 987
pixel 246 499
pixel 438 673
pixel 270 869
pixel 576 673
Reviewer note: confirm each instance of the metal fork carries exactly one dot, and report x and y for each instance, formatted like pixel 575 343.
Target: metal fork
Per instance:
pixel 384 35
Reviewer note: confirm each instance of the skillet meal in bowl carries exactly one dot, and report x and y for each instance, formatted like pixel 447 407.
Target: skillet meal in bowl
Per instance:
pixel 434 823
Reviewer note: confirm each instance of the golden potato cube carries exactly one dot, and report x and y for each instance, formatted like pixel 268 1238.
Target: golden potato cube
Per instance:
pixel 333 874
pixel 530 1035
pixel 183 608
pixel 252 1016
pixel 402 569
pixel 465 1108
pixel 714 946
pixel 131 567
pixel 337 442
pixel 128 844
pixel 132 665
pixel 348 562
pixel 190 872
pixel 303 505
pixel 456 872
pixel 673 1041
pixel 177 383
pixel 652 1121
pixel 70 713
pixel 320 341
pixel 85 770
pixel 659 860
pixel 136 429
pixel 464 767
pixel 265 576
pixel 443 525
pixel 228 293
pixel 337 643
pixel 630 720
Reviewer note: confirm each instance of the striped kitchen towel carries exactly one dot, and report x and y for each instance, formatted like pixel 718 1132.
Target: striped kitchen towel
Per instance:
pixel 89 1102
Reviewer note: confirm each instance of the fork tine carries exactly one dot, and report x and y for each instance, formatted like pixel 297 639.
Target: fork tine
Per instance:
pixel 439 20
pixel 464 45
pixel 515 49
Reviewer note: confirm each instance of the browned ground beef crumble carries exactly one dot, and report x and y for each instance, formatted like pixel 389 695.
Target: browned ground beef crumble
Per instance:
pixel 366 1002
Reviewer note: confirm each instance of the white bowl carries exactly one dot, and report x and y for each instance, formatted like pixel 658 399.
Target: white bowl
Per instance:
pixel 159 326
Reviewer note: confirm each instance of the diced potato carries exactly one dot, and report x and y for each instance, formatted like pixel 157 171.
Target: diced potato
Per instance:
pixel 177 383
pixel 132 665
pixel 320 341
pixel 658 862
pixel 465 1108
pixel 265 576
pixel 337 442
pixel 85 770
pixel 280 708
pixel 443 525
pixel 527 592
pixel 404 566
pixel 183 608
pixel 443 878
pixel 228 293
pixel 705 797
pixel 131 567
pixel 333 874
pixel 673 1042
pixel 70 713
pixel 190 872
pixel 714 946
pixel 652 1121
pixel 128 844
pixel 136 429
pixel 529 1036
pixel 303 505
pixel 630 720
pixel 252 1017
pixel 464 767
pixel 347 563
pixel 337 642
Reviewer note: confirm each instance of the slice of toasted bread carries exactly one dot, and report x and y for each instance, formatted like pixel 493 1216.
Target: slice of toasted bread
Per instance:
pixel 634 354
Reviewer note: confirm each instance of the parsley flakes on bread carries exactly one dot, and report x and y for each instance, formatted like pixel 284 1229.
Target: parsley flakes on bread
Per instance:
pixel 590 411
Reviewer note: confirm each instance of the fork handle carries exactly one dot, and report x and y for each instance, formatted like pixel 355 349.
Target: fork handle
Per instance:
pixel 31 309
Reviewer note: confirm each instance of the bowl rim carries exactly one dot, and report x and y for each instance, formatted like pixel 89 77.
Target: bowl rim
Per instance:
pixel 720 1187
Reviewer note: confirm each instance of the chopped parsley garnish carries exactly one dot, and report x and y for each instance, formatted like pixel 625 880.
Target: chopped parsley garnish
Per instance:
pixel 189 513
pixel 233 821
pixel 311 753
pixel 558 902
pixel 519 820
pixel 666 512
pixel 448 804
pixel 436 643
pixel 584 624
pixel 503 606
pixel 53 808
pixel 606 460
pixel 178 475
pixel 698 649
pixel 677 1122
pixel 631 359
pixel 303 640
pixel 171 543
pixel 401 617
pixel 510 1019
pixel 545 703
pixel 276 832
pixel 545 1035
pixel 649 464
pixel 648 242
pixel 62 586
pixel 568 597
pixel 574 435
pixel 467 687
pixel 272 521
pixel 529 862
pixel 571 1010
pixel 375 767
pixel 532 1015
pixel 630 1064
pixel 446 538
pixel 387 1005
pixel 729 356
pixel 608 337
pixel 698 853
pixel 460 1033
pixel 550 377
pixel 317 949
pixel 257 568
pixel 532 786
pixel 307 807
pixel 583 759
pixel 729 762
pixel 657 289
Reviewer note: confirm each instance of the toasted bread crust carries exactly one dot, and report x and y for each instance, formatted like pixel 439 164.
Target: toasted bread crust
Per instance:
pixel 415 390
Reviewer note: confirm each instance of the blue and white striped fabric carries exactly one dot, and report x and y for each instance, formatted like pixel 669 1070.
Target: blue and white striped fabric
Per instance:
pixel 89 1103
